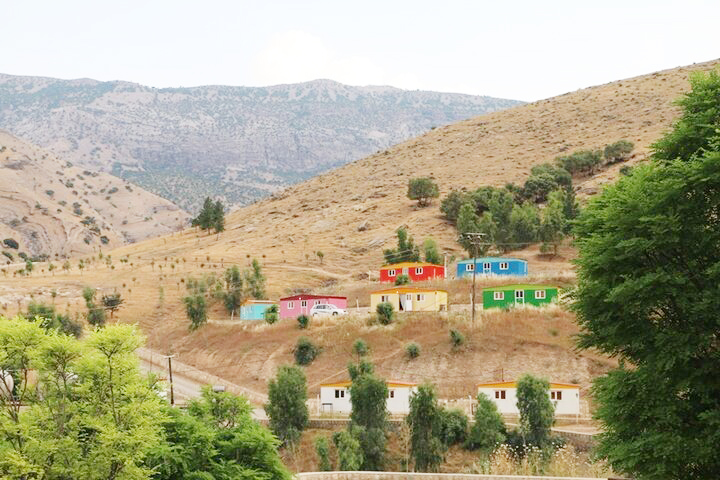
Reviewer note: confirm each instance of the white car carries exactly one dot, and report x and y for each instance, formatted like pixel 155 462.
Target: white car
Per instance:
pixel 326 309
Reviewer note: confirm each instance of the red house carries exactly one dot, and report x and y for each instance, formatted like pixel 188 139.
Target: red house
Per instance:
pixel 416 271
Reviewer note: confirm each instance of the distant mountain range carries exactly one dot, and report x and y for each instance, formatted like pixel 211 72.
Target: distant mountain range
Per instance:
pixel 236 143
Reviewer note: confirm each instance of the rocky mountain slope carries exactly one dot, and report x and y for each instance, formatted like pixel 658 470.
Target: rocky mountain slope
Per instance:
pixel 235 142
pixel 48 206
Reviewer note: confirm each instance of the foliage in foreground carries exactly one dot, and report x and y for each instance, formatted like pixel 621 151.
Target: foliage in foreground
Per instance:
pixel 286 408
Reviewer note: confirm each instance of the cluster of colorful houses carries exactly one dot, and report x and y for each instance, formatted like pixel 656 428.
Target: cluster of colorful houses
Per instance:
pixel 406 298
pixel 335 397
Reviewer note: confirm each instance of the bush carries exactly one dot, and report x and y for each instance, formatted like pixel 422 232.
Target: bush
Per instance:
pixel 350 455
pixel 8 255
pixel 456 338
pixel 422 189
pixel 453 426
pixel 488 429
pixel 11 243
pixel 305 351
pixel 271 315
pixel 323 452
pixel 618 151
pixel 385 313
pixel 402 280
pixel 412 350
pixel 303 321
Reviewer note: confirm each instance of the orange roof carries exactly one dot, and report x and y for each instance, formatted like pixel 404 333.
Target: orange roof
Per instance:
pixel 513 384
pixel 389 383
pixel 406 290
pixel 409 265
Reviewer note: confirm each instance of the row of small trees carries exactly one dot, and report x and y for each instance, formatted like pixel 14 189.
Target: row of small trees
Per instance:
pixel 235 287
pixel 408 251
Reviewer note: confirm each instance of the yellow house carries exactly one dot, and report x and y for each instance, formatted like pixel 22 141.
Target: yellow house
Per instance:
pixel 411 299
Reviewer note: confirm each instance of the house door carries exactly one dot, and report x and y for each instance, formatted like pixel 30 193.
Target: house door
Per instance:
pixel 486 268
pixel 405 271
pixel 520 297
pixel 405 302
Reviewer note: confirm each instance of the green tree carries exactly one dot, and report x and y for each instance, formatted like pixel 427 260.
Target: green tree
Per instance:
pixel 647 295
pixel 97 417
pixel 112 302
pixel 453 426
pixel 488 431
pixel 350 455
pixel 385 313
pixel 255 280
pixel 233 296
pixel 422 189
pixel 286 408
pixel 537 413
pixel 303 321
pixel 450 205
pixel 272 314
pixel 360 348
pixel 469 222
pixel 50 319
pixel 697 132
pixel 618 151
pixel 431 252
pixel 368 418
pixel 402 280
pixel 196 310
pixel 424 420
pixel 323 452
pixel 554 223
pixel 406 251
pixel 212 215
pixel 96 313
pixel 524 225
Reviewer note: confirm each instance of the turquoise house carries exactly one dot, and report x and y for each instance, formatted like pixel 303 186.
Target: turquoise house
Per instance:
pixel 255 309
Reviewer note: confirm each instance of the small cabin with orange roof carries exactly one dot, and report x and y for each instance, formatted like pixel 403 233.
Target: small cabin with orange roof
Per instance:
pixel 335 397
pixel 564 396
pixel 415 271
pixel 411 299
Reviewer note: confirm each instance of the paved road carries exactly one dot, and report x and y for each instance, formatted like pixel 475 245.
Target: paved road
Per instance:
pixel 184 387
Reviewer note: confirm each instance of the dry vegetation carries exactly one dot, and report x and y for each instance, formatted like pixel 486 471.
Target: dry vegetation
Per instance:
pixel 324 214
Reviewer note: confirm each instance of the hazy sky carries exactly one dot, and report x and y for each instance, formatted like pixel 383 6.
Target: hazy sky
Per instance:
pixel 523 50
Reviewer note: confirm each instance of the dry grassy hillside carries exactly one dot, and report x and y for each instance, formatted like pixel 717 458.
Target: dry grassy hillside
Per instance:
pixel 43 201
pixel 324 214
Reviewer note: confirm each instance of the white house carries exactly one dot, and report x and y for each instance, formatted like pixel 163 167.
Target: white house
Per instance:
pixel 565 397
pixel 335 397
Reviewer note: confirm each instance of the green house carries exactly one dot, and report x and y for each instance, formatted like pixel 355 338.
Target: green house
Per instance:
pixel 506 296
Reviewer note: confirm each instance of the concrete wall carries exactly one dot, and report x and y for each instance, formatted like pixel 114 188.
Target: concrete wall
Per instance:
pixel 419 476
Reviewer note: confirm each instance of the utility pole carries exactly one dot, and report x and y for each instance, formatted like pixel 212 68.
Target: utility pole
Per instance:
pixel 476 240
pixel 172 392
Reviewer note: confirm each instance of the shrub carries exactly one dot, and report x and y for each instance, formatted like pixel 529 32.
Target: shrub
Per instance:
pixel 360 347
pixel 305 351
pixel 618 151
pixel 488 429
pixel 8 255
pixel 271 315
pixel 303 321
pixel 402 280
pixel 453 426
pixel 350 454
pixel 412 350
pixel 456 338
pixel 385 313
pixel 422 189
pixel 323 452
pixel 11 243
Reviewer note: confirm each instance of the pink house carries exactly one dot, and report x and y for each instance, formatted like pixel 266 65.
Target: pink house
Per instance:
pixel 291 307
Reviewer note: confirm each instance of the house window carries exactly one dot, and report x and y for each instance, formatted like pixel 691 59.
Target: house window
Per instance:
pixel 391 273
pixel 421 297
pixel 503 265
pixel 519 294
pixel 303 303
pixel 391 394
pixel 291 305
pixel 339 393
pixel 500 394
pixel 469 267
pixel 408 297
pixel 384 298
pixel 418 270
pixel 556 395
pixel 317 302
pixel 539 294
pixel 498 295
pixel 486 266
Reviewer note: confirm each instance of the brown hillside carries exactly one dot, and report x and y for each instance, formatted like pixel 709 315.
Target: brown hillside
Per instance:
pixel 325 213
pixel 37 196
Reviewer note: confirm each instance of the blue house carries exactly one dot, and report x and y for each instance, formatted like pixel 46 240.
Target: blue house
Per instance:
pixel 255 309
pixel 492 266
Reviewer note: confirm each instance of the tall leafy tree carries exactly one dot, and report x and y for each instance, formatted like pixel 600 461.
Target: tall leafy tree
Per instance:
pixel 406 250
pixel 432 255
pixel 233 295
pixel 469 222
pixel 368 418
pixel 648 276
pixel 424 420
pixel 488 431
pixel 286 408
pixel 537 413
pixel 422 189
pixel 255 280
pixel 524 225
pixel 196 310
pixel 554 223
